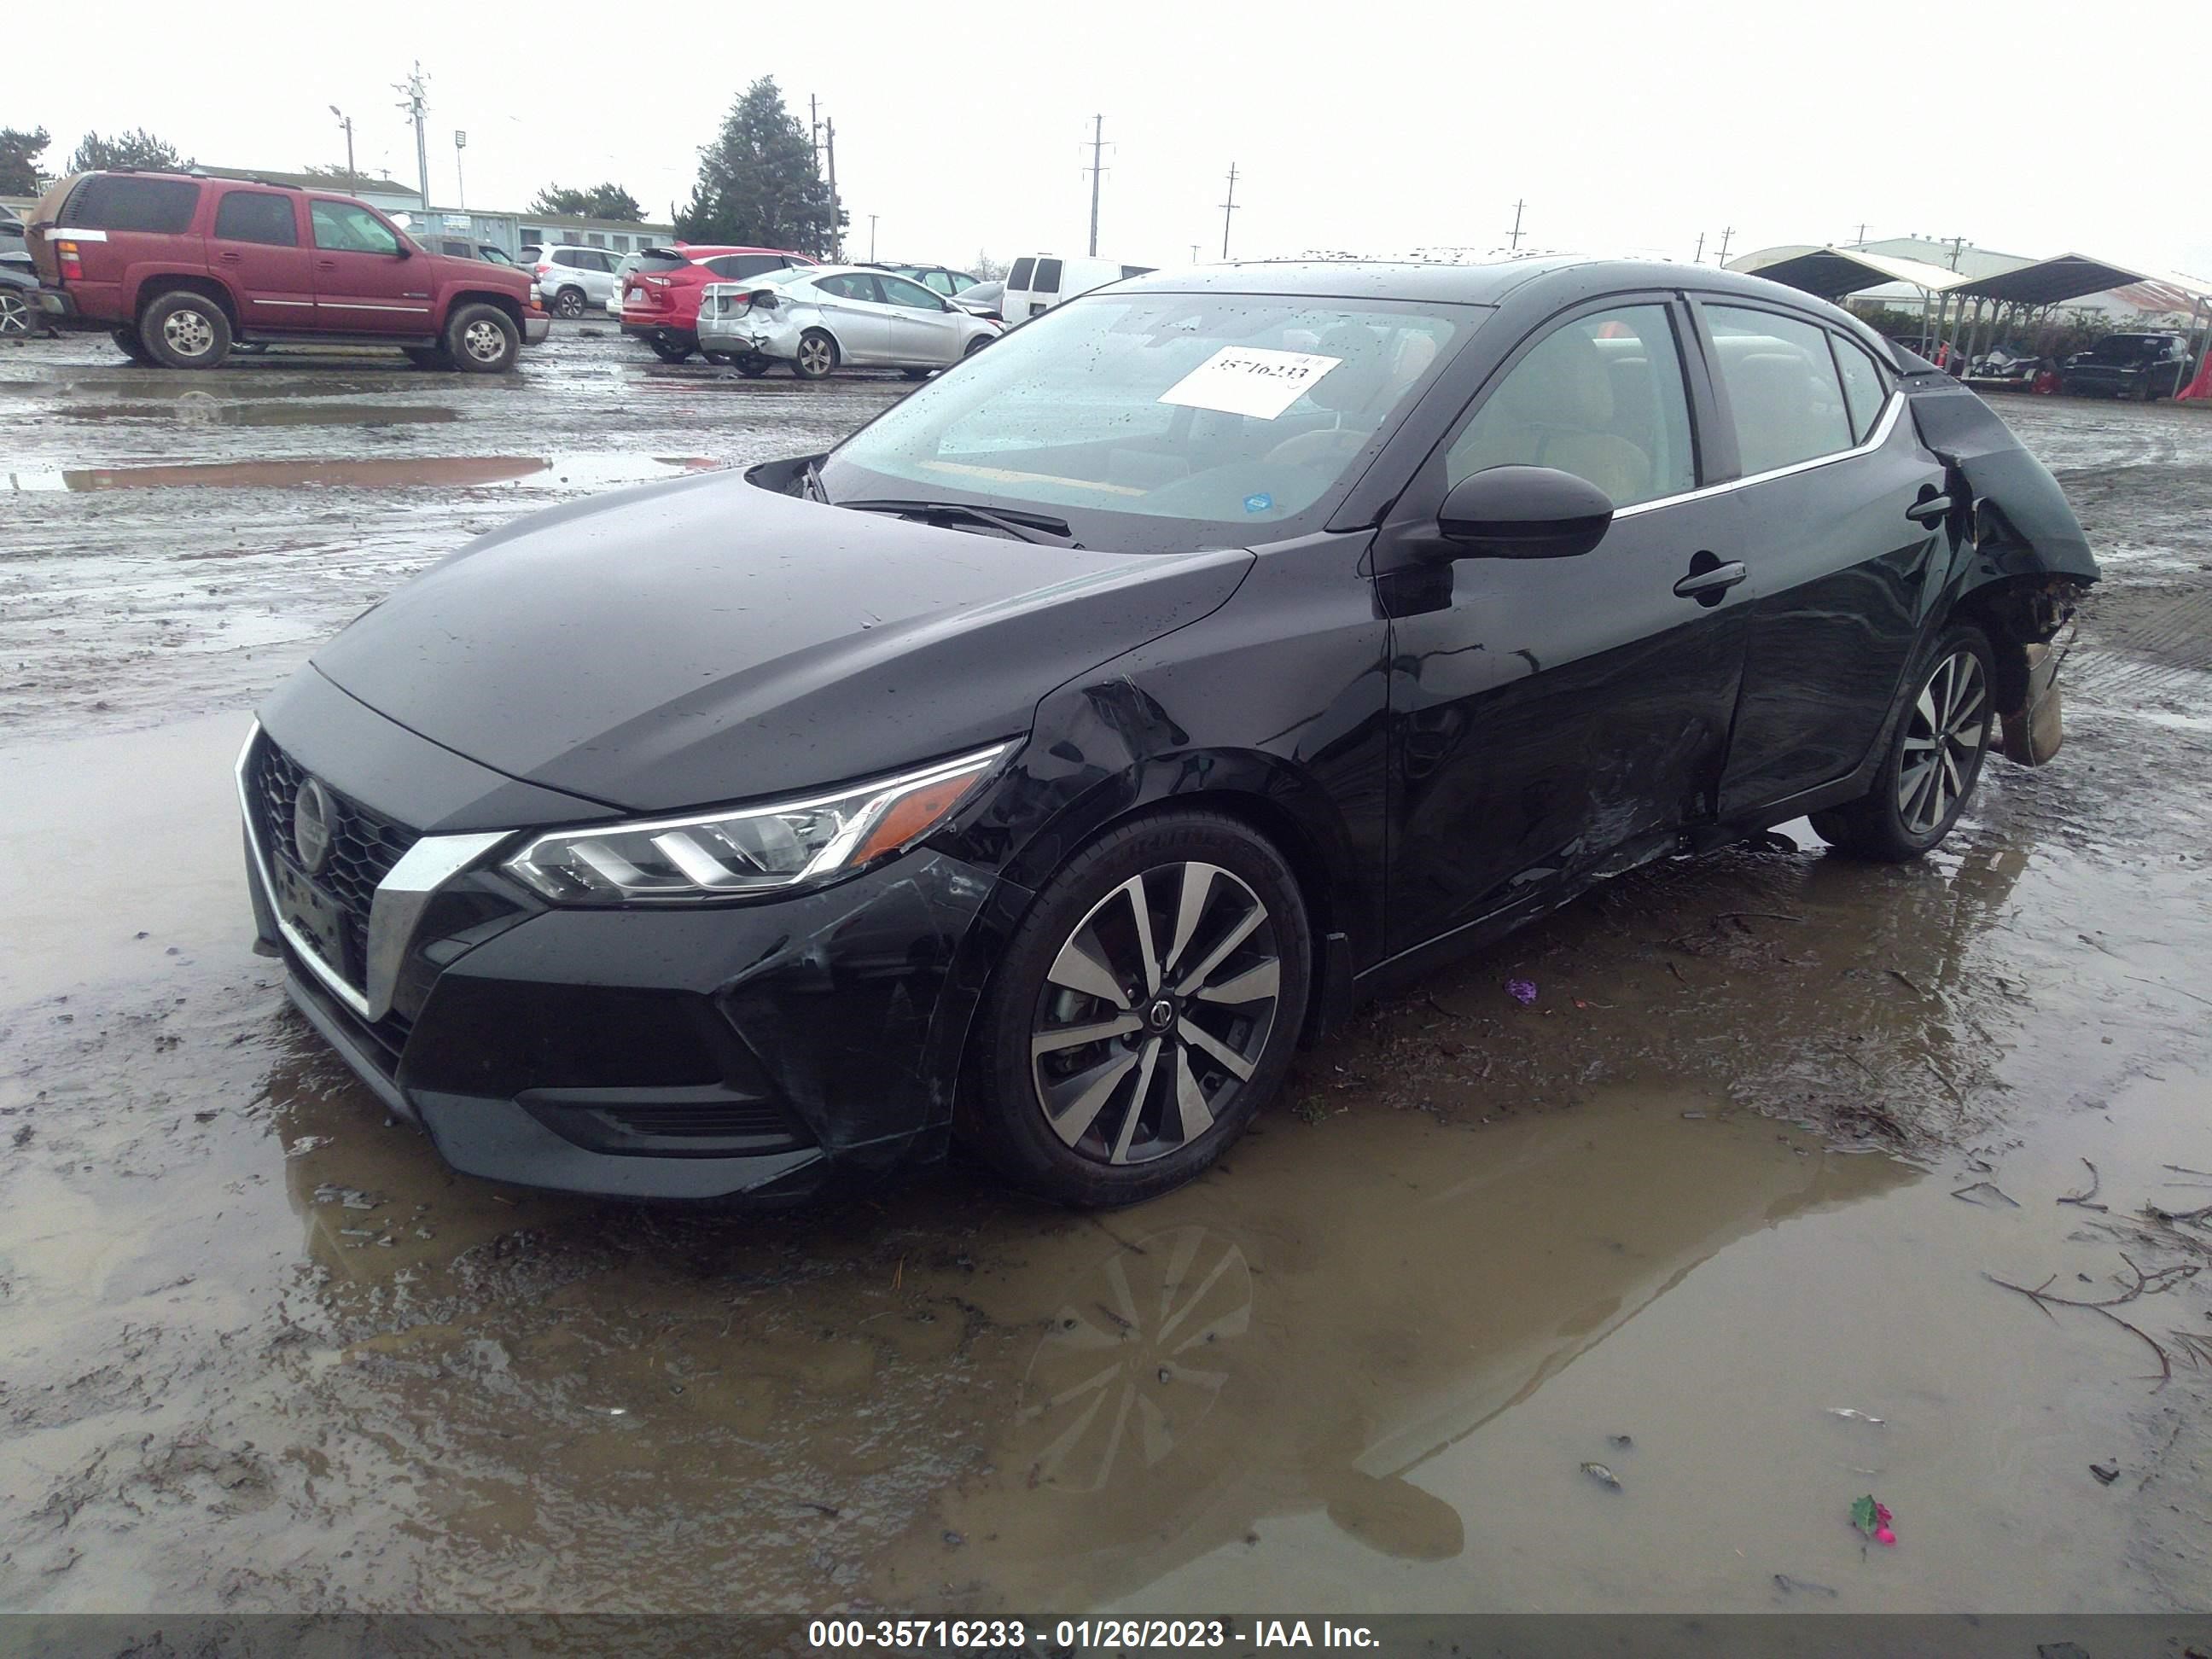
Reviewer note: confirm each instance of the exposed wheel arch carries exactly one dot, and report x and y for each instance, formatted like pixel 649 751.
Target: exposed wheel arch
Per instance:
pixel 152 288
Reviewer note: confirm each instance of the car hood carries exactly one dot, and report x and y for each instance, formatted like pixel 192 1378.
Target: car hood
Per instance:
pixel 706 639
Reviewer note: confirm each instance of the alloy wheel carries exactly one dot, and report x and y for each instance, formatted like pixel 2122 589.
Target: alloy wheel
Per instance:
pixel 1948 725
pixel 815 356
pixel 15 315
pixel 189 334
pixel 1156 1011
pixel 482 341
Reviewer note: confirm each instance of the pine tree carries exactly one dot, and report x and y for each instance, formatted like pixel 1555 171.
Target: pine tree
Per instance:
pixel 135 149
pixel 607 201
pixel 757 185
pixel 19 159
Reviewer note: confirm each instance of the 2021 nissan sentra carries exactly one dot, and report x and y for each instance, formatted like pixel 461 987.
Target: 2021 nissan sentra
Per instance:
pixel 1046 761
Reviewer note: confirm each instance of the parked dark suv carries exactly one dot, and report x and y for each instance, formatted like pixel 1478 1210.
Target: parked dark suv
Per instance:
pixel 179 267
pixel 2138 366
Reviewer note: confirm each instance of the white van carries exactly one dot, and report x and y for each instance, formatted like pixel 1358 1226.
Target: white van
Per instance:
pixel 1039 282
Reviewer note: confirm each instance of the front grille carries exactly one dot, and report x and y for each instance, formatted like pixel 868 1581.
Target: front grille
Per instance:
pixel 364 846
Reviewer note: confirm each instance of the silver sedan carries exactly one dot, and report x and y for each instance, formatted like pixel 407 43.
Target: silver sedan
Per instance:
pixel 818 317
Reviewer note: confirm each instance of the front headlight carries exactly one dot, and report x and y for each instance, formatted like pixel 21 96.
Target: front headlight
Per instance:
pixel 754 849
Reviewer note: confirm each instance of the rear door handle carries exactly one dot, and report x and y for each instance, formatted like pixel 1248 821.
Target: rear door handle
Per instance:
pixel 1932 511
pixel 1707 585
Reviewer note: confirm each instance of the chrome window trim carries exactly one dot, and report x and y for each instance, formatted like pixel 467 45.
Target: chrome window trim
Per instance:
pixel 393 912
pixel 1875 440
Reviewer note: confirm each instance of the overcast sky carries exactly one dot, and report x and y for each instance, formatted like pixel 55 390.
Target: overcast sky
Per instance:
pixel 1377 127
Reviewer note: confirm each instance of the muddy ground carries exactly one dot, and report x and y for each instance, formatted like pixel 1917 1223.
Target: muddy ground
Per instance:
pixel 1751 1161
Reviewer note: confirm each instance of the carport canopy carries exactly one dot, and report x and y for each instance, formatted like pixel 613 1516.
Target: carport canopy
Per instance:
pixel 1833 272
pixel 2073 276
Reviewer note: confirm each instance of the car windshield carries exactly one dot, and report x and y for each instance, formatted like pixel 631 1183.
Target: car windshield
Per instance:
pixel 494 256
pixel 1180 420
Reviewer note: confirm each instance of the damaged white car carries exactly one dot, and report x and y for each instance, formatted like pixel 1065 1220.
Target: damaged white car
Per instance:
pixel 818 317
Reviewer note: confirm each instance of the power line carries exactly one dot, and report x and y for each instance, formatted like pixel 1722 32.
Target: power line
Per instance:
pixel 415 102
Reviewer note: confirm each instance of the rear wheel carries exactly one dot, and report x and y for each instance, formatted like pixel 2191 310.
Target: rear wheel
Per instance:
pixel 483 340
pixel 818 356
pixel 568 302
pixel 752 365
pixel 1935 758
pixel 185 330
pixel 669 348
pixel 1143 1010
pixel 719 359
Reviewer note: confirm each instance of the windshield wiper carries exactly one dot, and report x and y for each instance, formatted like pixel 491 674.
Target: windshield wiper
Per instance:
pixel 810 474
pixel 1037 527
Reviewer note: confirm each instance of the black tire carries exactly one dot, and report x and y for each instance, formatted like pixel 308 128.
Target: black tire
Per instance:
pixel 569 303
pixel 752 365
pixel 977 344
pixel 482 339
pixel 917 374
pixel 668 348
pixel 818 356
pixel 428 357
pixel 1108 1144
pixel 185 330
pixel 719 359
pixel 17 320
pixel 128 342
pixel 1934 758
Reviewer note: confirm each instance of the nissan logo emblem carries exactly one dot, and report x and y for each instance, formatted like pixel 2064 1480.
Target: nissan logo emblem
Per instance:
pixel 311 825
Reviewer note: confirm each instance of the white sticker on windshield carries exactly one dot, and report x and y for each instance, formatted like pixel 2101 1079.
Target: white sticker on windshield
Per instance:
pixel 1250 380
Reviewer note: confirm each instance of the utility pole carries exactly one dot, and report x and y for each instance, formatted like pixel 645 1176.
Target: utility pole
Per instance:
pixel 1722 257
pixel 1194 253
pixel 1515 245
pixel 1862 241
pixel 814 128
pixel 460 185
pixel 1098 143
pixel 417 104
pixel 353 180
pixel 1228 208
pixel 1700 257
pixel 871 239
pixel 830 149
pixel 1956 243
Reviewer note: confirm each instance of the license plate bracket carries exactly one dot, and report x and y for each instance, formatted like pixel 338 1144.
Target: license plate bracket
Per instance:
pixel 312 916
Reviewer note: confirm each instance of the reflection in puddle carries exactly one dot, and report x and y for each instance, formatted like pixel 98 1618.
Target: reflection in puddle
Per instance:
pixel 569 471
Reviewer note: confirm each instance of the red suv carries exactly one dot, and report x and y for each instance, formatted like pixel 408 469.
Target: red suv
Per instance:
pixel 660 288
pixel 178 267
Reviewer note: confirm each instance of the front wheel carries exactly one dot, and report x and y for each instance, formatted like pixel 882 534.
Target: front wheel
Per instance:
pixel 977 344
pixel 917 374
pixel 427 357
pixel 818 356
pixel 483 340
pixel 1145 1009
pixel 186 329
pixel 1935 758
pixel 17 320
pixel 128 342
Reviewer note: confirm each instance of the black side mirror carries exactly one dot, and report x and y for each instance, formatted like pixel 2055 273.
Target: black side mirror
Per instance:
pixel 1523 512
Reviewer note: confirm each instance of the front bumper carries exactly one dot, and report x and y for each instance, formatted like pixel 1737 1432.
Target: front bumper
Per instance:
pixel 535 328
pixel 673 1054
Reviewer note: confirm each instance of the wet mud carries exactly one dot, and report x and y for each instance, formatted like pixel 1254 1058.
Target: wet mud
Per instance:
pixel 1737 1183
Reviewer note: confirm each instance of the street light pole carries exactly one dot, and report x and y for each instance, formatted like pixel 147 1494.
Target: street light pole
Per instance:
pixel 871 239
pixel 460 185
pixel 353 183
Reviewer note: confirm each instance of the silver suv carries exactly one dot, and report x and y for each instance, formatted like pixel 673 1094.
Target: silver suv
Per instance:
pixel 571 280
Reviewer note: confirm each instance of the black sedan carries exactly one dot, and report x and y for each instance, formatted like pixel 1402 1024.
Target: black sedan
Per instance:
pixel 1045 764
pixel 2141 367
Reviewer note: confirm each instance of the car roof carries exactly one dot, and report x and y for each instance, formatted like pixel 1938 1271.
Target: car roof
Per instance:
pixel 1483 284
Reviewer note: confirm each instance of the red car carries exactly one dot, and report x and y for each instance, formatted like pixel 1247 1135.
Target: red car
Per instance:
pixel 660 290
pixel 178 267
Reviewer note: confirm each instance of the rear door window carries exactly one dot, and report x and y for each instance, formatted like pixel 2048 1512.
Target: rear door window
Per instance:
pixel 1018 278
pixel 116 201
pixel 737 267
pixel 851 285
pixel 1863 386
pixel 1784 392
pixel 254 216
pixel 1048 276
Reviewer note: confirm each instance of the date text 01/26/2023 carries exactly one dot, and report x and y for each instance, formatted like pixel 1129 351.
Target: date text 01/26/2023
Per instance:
pixel 1077 1635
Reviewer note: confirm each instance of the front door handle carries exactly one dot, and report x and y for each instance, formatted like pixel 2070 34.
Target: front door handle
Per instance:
pixel 1707 585
pixel 1930 510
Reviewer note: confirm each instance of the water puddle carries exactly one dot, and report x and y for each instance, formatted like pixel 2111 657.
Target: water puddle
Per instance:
pixel 205 410
pixel 579 471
